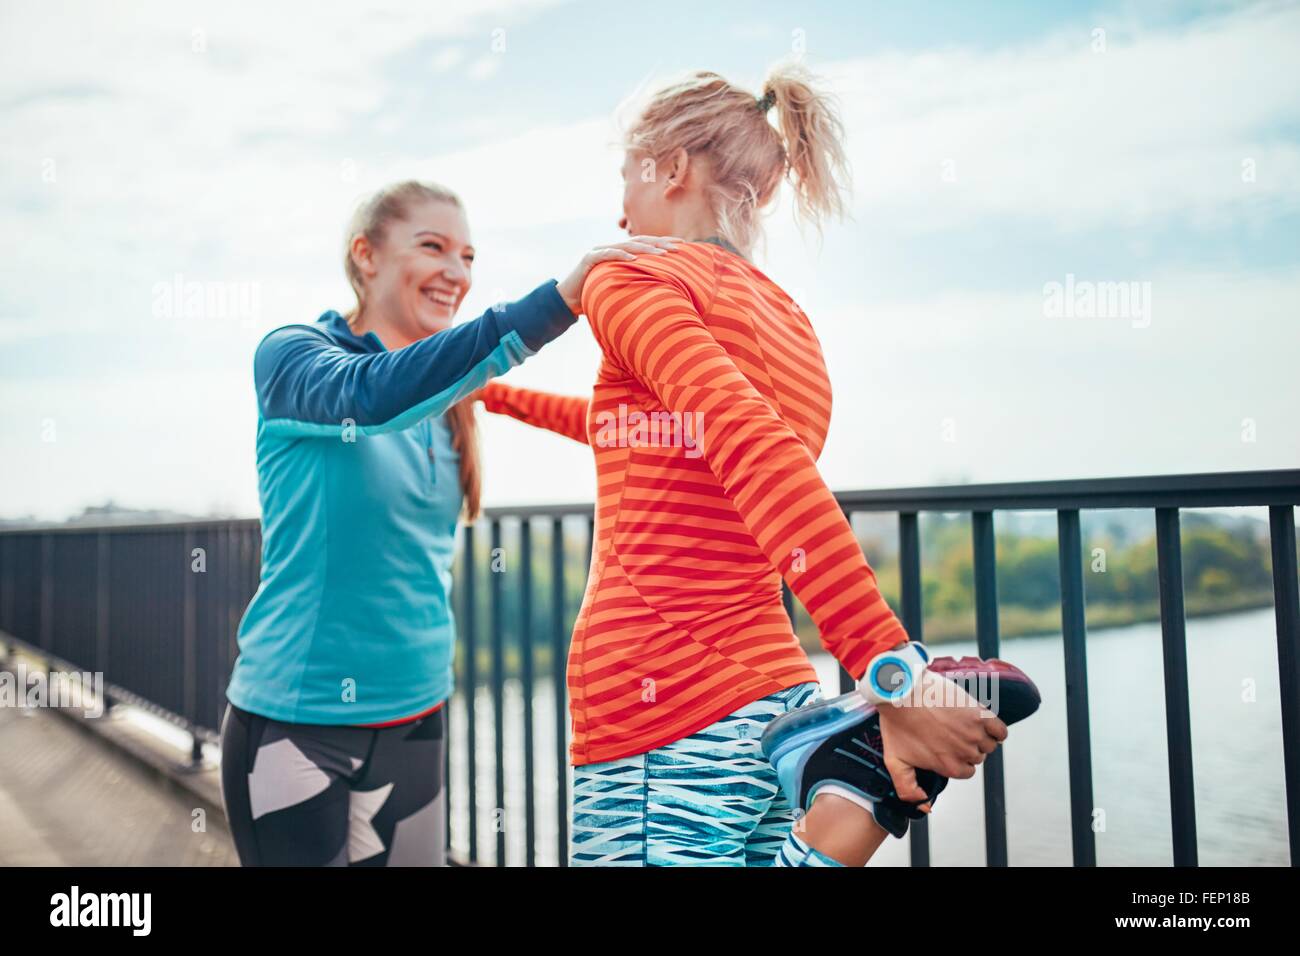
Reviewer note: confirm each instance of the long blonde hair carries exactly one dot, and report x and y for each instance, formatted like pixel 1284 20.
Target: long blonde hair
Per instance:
pixel 372 219
pixel 748 156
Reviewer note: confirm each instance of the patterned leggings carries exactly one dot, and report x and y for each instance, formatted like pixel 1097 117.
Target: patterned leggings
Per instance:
pixel 312 795
pixel 710 799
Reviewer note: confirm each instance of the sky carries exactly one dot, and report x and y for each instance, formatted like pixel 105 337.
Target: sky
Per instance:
pixel 1009 161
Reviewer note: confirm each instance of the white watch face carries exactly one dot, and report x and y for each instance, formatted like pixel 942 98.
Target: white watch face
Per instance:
pixel 891 677
pixel 892 674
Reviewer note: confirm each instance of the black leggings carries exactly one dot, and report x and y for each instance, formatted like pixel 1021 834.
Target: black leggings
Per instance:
pixel 307 795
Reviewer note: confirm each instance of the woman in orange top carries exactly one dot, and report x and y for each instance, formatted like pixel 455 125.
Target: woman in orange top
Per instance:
pixel 709 410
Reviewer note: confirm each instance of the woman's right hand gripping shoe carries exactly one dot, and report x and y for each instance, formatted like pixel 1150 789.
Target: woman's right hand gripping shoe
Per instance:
pixel 958 715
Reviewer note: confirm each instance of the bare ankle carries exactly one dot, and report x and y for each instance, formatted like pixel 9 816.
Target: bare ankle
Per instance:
pixel 840 829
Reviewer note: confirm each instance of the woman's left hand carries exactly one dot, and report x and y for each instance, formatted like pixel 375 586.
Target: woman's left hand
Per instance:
pixel 571 288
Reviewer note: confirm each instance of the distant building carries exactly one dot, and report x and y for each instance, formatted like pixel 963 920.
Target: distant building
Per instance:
pixel 108 513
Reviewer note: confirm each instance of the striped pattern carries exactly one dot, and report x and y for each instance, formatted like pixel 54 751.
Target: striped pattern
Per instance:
pixel 559 413
pixel 710 799
pixel 682 621
pixel 794 852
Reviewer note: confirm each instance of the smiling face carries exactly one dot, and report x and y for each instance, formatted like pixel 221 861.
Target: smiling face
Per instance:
pixel 419 272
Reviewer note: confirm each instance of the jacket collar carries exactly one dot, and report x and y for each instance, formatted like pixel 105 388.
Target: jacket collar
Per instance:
pixel 337 326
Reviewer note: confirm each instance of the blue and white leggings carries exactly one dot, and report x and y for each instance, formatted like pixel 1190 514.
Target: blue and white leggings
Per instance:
pixel 710 799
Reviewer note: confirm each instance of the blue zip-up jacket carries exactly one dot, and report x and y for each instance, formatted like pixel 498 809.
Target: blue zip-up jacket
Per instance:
pixel 360 493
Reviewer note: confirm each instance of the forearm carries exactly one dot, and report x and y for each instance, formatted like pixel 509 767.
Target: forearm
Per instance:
pixel 563 414
pixel 308 385
pixel 773 482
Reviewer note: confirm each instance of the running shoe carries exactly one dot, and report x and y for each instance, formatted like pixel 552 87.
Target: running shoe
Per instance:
pixel 836 743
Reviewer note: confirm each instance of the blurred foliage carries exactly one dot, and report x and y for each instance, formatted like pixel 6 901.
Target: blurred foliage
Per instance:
pixel 1224 569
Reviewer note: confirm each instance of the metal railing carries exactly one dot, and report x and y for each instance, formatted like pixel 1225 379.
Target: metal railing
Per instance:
pixel 155 609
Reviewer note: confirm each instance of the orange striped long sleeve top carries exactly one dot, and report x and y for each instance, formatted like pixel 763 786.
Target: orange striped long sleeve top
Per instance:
pixel 708 413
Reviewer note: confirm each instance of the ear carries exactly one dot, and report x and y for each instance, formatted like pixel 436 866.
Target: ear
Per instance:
pixel 363 255
pixel 679 167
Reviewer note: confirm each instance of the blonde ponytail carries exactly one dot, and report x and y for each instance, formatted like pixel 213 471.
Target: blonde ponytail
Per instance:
pixel 748 156
pixel 813 135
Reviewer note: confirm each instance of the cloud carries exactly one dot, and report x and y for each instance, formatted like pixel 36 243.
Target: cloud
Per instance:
pixel 447 59
pixel 230 143
pixel 484 67
pixel 1051 131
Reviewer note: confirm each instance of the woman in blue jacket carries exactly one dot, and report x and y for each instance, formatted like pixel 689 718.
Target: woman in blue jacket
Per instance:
pixel 332 741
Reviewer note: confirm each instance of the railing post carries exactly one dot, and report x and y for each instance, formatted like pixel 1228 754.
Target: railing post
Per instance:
pixel 559 679
pixel 102 596
pixel 986 634
pixel 228 598
pixel 526 675
pixel 1178 723
pixel 6 583
pixel 498 689
pixel 469 633
pixel 6 592
pixel 847 683
pixel 456 607
pixel 909 575
pixel 190 647
pixel 46 623
pixel 1074 630
pixel 1286 603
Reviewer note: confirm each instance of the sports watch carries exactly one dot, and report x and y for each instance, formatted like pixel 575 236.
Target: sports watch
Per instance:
pixel 892 674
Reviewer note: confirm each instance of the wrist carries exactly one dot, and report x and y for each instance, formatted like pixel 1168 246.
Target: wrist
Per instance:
pixel 572 296
pixel 894 674
pixel 539 317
